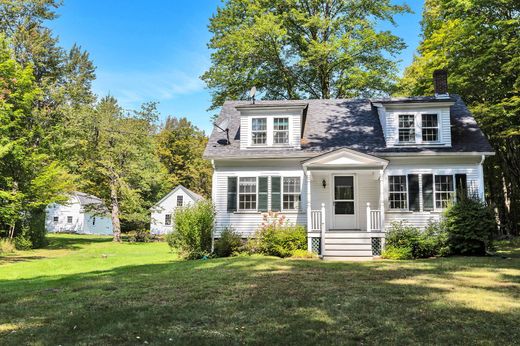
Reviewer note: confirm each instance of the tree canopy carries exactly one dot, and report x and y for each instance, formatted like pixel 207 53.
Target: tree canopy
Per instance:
pixel 294 49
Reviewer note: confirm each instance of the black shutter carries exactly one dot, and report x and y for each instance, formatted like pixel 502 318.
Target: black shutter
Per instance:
pixel 231 194
pixel 427 192
pixel 275 193
pixel 461 184
pixel 413 192
pixel 262 194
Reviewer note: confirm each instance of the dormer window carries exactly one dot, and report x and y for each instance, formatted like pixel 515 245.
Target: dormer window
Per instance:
pixel 406 128
pixel 259 131
pixel 430 128
pixel 281 131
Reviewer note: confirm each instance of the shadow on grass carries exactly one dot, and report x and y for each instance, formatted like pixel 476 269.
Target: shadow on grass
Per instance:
pixel 74 242
pixel 258 300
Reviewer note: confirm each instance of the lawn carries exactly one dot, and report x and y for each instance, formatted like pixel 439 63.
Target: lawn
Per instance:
pixel 87 290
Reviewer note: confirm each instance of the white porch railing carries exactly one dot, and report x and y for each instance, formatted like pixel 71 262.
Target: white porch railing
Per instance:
pixel 374 219
pixel 318 225
pixel 315 220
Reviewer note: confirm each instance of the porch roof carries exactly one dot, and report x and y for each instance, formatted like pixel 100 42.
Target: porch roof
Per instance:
pixel 344 159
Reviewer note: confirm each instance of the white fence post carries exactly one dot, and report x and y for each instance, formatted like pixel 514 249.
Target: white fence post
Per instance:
pixel 322 242
pixel 309 212
pixel 369 218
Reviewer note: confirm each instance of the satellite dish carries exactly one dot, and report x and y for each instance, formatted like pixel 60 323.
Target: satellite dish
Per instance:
pixel 252 93
pixel 223 126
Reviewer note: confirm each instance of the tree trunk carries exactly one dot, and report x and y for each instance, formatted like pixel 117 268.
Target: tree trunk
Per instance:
pixel 114 202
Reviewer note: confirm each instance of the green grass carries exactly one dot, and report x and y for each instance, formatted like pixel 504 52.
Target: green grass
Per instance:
pixel 87 290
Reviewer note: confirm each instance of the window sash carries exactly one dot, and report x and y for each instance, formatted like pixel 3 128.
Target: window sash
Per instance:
pixel 398 192
pixel 180 200
pixel 281 130
pixel 291 191
pixel 444 190
pixel 406 128
pixel 56 219
pixel 168 219
pixel 259 131
pixel 69 219
pixel 430 127
pixel 247 193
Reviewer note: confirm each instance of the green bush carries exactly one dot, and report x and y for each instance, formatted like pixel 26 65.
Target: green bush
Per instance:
pixel 192 230
pixel 228 244
pixel 470 225
pixel 6 246
pixel 34 230
pixel 276 237
pixel 396 253
pixel 303 254
pixel 22 242
pixel 140 236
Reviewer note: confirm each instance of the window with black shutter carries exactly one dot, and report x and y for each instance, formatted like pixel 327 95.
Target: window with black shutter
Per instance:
pixel 413 192
pixel 275 193
pixel 232 194
pixel 427 192
pixel 262 193
pixel 461 184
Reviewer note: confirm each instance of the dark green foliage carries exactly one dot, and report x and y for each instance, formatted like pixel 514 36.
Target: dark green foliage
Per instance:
pixel 193 229
pixel 278 238
pixel 139 236
pixel 407 242
pixel 470 225
pixel 21 242
pixel 228 244
pixel 36 231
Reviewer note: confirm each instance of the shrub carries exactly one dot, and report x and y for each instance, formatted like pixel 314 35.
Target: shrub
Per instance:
pixel 396 253
pixel 303 254
pixel 22 242
pixel 276 237
pixel 6 246
pixel 193 229
pixel 140 236
pixel 470 225
pixel 228 244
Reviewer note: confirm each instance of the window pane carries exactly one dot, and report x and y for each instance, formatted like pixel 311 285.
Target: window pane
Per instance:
pixel 281 137
pixel 247 185
pixel 259 137
pixel 291 201
pixel 281 124
pixel 291 184
pixel 259 124
pixel 429 120
pixel 406 128
pixel 398 198
pixel 344 208
pixel 343 188
pixel 430 135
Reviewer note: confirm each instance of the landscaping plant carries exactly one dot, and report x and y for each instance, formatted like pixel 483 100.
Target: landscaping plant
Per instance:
pixel 228 244
pixel 192 232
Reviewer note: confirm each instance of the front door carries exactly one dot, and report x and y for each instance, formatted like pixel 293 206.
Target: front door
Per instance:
pixel 344 206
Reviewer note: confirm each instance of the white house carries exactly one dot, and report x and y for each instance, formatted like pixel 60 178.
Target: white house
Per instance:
pixel 162 211
pixel 82 213
pixel 345 168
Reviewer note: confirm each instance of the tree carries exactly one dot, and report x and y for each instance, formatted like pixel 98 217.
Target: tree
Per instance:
pixel 117 159
pixel 477 41
pixel 180 146
pixel 29 178
pixel 295 49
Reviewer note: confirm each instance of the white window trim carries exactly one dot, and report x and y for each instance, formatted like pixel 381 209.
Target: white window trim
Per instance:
pixel 438 127
pixel 406 193
pixel 252 132
pixel 270 132
pixel 290 193
pixel 435 190
pixel 418 128
pixel 165 216
pixel 414 115
pixel 288 131
pixel 238 194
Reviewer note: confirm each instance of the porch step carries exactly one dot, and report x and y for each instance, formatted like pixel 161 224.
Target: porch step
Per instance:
pixel 347 235
pixel 348 258
pixel 342 247
pixel 345 241
pixel 348 252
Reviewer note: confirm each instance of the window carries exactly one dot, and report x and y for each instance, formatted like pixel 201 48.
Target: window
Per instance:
pixel 281 130
pixel 398 191
pixel 69 219
pixel 291 193
pixel 430 128
pixel 55 219
pixel 180 200
pixel 443 190
pixel 93 221
pixel 344 195
pixel 168 219
pixel 259 131
pixel 406 128
pixel 247 193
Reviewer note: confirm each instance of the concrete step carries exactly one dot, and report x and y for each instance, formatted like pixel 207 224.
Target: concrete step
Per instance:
pixel 347 241
pixel 329 247
pixel 348 252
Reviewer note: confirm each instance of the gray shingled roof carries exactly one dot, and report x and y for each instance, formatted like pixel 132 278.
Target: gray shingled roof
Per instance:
pixel 344 123
pixel 90 202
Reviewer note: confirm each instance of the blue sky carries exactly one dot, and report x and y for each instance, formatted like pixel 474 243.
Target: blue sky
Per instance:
pixel 156 50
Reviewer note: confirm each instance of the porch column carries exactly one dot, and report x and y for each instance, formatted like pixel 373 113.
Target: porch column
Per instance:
pixel 382 198
pixel 308 176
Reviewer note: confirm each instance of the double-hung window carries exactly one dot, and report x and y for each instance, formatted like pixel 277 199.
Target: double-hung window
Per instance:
pixel 168 219
pixel 444 190
pixel 398 192
pixel 69 219
pixel 430 128
pixel 247 193
pixel 180 200
pixel 55 219
pixel 291 193
pixel 407 128
pixel 259 131
pixel 281 130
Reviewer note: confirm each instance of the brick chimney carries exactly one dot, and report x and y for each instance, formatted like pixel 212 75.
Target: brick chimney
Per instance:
pixel 440 83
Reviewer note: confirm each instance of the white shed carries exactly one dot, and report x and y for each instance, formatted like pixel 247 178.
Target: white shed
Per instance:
pixel 82 213
pixel 161 213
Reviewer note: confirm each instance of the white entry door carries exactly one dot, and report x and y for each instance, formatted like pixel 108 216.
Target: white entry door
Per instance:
pixel 343 203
